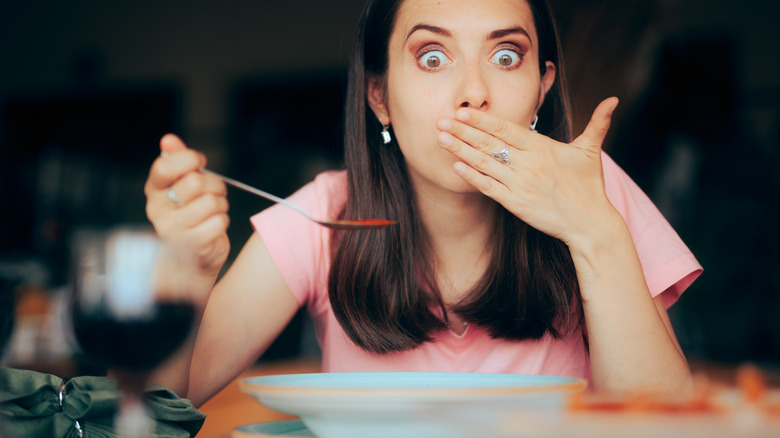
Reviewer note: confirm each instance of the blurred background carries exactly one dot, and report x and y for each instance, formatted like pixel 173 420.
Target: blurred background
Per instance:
pixel 88 88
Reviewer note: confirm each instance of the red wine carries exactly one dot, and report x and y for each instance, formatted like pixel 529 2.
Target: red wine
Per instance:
pixel 134 344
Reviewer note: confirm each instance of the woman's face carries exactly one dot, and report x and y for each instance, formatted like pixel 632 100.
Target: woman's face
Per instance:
pixel 447 54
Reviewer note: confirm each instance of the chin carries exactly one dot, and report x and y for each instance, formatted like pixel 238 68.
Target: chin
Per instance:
pixel 454 183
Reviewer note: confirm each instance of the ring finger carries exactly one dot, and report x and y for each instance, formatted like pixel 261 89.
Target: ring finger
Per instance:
pixel 493 161
pixel 192 186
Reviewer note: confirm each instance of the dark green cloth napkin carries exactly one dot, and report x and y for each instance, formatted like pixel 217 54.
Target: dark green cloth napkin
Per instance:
pixel 30 407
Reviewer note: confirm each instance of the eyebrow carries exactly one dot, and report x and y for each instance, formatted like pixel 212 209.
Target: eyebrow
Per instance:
pixel 496 34
pixel 501 33
pixel 435 29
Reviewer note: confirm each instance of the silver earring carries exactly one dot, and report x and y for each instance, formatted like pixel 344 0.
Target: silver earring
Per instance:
pixel 386 134
pixel 533 124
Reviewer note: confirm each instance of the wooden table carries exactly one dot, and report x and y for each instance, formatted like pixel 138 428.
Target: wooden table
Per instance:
pixel 232 408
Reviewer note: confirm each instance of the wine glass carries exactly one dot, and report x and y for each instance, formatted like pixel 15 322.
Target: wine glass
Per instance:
pixel 130 311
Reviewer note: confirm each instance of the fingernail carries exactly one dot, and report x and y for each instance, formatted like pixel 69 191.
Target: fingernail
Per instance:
pixel 444 124
pixel 460 168
pixel 462 115
pixel 614 107
pixel 445 139
pixel 163 154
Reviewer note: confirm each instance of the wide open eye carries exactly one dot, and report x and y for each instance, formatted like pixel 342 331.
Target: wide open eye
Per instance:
pixel 507 58
pixel 433 60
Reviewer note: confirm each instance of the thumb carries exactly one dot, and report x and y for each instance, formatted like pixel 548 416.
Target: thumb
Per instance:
pixel 170 143
pixel 594 134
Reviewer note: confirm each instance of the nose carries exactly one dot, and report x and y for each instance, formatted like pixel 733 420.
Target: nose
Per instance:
pixel 474 90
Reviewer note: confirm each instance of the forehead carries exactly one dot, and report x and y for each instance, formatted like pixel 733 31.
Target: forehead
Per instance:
pixel 466 15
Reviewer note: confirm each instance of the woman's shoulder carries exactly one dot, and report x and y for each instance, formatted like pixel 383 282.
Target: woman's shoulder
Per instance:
pixel 303 264
pixel 667 262
pixel 325 195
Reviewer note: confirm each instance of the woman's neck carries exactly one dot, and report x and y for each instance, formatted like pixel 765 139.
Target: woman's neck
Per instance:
pixel 459 226
pixel 448 215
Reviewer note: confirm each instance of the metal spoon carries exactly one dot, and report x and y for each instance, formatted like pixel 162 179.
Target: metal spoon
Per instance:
pixel 337 224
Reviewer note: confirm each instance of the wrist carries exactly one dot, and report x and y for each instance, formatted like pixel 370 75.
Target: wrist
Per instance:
pixel 599 235
pixel 605 255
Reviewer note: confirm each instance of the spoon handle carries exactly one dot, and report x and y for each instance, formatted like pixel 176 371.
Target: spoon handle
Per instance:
pixel 258 192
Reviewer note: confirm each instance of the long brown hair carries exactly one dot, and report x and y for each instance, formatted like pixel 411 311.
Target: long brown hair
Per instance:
pixel 382 283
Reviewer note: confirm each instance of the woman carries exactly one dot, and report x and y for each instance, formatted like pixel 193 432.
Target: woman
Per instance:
pixel 515 251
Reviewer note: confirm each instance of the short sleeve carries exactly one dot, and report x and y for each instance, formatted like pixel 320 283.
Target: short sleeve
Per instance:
pixel 298 246
pixel 668 265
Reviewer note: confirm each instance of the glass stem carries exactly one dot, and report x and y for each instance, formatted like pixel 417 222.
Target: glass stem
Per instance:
pixel 133 420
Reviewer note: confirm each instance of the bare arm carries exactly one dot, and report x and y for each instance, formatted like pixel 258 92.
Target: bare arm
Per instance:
pixel 247 310
pixel 558 189
pixel 238 318
pixel 632 344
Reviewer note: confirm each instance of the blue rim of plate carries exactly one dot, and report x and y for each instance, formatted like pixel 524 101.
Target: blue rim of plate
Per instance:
pixel 291 428
pixel 436 383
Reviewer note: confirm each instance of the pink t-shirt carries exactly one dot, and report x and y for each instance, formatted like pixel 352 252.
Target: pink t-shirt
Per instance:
pixel 300 249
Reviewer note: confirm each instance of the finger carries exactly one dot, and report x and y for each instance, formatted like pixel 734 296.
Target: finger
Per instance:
pixel 166 170
pixel 207 239
pixel 490 187
pixel 201 209
pixel 171 143
pixel 195 188
pixel 476 138
pixel 195 184
pixel 172 222
pixel 496 126
pixel 208 232
pixel 481 161
pixel 594 134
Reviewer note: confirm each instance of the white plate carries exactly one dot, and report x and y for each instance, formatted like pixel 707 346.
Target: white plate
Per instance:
pixel 409 405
